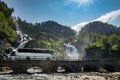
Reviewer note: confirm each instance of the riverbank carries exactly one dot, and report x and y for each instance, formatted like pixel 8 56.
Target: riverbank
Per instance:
pixel 62 76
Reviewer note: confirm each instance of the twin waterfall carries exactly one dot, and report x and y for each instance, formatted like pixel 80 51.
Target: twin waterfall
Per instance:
pixel 71 52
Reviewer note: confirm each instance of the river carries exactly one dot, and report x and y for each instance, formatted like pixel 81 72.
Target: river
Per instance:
pixel 62 76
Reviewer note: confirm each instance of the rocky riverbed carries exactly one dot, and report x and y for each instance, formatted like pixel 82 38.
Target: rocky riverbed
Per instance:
pixel 61 76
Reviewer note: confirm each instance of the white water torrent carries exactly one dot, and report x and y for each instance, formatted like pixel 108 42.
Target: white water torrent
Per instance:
pixel 24 38
pixel 61 76
pixel 71 52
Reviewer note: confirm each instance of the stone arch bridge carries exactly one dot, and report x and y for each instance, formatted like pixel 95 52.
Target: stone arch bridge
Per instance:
pixel 48 66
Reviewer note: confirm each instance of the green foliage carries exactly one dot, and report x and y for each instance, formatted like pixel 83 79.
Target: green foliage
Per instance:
pixel 98 45
pixel 50 27
pixel 7 11
pixel 109 46
pixel 115 47
pixel 103 40
pixel 6 32
pixel 49 34
pixel 7 26
pixel 100 40
pixel 114 39
pixel 48 42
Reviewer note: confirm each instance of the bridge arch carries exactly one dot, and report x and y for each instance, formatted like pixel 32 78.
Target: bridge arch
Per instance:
pixel 88 68
pixel 64 68
pixel 24 68
pixel 108 67
pixel 35 69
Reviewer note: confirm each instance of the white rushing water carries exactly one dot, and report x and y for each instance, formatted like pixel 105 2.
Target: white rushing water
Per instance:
pixel 23 38
pixel 71 52
pixel 55 76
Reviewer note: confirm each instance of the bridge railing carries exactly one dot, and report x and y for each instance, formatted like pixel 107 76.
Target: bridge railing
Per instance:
pixel 29 58
pixel 44 58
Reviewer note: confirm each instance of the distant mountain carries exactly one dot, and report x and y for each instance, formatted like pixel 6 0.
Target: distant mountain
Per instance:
pixel 53 28
pixel 98 40
pixel 50 27
pixel 110 17
pixel 99 27
pixel 78 27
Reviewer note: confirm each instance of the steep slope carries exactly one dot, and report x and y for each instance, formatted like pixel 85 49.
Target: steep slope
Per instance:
pixel 99 41
pixel 55 29
pixel 7 27
pixel 49 34
pixel 99 27
pixel 50 27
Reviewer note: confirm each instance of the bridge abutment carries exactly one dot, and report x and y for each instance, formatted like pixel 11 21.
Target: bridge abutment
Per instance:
pixel 19 70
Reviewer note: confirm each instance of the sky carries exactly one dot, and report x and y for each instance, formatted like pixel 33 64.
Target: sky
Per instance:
pixel 67 12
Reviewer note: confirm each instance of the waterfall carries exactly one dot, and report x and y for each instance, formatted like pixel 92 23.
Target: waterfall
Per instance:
pixel 23 38
pixel 71 52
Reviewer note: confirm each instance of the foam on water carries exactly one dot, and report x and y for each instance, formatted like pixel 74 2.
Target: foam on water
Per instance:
pixel 56 76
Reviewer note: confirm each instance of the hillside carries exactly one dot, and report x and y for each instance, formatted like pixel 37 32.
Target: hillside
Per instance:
pixel 99 41
pixel 50 27
pixel 99 27
pixel 49 34
pixel 7 26
pixel 55 29
pixel 48 42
